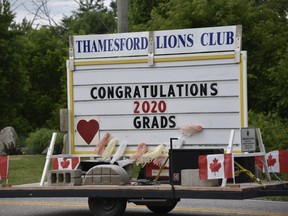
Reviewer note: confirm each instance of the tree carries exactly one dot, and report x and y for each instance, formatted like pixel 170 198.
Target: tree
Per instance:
pixel 39 10
pixel 92 17
pixel 14 80
pixel 140 13
pixel 47 72
pixel 267 49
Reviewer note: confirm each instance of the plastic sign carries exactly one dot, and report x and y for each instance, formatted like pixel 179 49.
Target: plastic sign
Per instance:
pixel 248 139
pixel 158 42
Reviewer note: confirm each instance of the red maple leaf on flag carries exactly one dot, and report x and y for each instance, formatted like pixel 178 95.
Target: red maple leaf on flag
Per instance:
pixel 215 166
pixel 271 161
pixel 65 163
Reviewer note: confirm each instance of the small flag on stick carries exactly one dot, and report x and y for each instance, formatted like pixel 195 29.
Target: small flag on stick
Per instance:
pixel 4 167
pixel 65 163
pixel 216 166
pixel 277 161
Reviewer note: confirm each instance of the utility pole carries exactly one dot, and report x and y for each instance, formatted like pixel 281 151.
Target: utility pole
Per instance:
pixel 122 15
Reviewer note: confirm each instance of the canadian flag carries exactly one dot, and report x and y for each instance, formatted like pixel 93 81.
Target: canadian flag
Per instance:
pixel 65 163
pixel 259 162
pixel 4 166
pixel 216 166
pixel 277 161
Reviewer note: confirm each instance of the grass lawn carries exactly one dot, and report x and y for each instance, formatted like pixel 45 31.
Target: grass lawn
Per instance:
pixel 25 169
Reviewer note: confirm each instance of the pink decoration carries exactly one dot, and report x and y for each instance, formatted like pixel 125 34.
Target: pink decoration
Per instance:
pixel 190 129
pixel 141 149
pixel 102 144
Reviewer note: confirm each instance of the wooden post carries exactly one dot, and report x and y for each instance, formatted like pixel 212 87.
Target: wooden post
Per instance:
pixel 122 15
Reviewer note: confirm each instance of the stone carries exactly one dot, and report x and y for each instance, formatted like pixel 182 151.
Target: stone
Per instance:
pixel 106 174
pixel 65 177
pixel 8 137
pixel 190 177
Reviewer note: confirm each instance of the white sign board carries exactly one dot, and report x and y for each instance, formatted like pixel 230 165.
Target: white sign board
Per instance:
pixel 214 39
pixel 139 103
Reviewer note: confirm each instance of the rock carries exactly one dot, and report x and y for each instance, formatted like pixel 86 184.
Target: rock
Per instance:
pixel 8 137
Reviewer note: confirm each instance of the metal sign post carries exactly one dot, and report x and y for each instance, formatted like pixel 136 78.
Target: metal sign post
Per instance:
pixel 48 158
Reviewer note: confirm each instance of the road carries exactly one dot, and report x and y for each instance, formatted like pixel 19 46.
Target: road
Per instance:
pixel 78 206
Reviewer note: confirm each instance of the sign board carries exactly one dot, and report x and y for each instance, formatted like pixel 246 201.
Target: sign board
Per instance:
pixel 216 39
pixel 137 102
pixel 248 139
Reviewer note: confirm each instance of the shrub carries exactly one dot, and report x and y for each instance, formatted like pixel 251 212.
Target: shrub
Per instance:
pixel 274 130
pixel 11 149
pixel 39 140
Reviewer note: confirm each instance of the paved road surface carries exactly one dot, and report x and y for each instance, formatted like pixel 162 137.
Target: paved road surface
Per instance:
pixel 187 207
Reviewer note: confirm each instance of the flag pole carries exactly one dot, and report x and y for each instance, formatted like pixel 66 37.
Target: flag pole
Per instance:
pixel 48 158
pixel 7 181
pixel 262 150
pixel 229 150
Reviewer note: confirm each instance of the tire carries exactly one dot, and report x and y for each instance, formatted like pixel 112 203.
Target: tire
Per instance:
pixel 107 206
pixel 162 209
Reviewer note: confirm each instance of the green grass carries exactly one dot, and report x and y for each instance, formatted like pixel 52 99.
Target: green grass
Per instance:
pixel 25 169
pixel 274 198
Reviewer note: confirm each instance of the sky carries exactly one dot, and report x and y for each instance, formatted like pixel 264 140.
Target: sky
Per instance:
pixel 57 9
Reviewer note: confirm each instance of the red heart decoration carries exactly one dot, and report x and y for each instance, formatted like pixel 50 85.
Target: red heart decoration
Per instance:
pixel 88 130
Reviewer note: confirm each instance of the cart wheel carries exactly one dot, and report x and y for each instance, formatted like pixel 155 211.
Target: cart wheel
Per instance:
pixel 162 209
pixel 107 206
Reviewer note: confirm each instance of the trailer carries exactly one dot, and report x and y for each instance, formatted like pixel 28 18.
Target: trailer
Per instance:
pixel 159 198
pixel 160 100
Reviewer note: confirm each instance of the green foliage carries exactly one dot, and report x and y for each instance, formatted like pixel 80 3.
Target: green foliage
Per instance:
pixel 140 13
pixel 40 139
pixel 46 72
pixel 91 18
pixel 14 80
pixel 273 129
pixel 93 22
pixel 267 47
